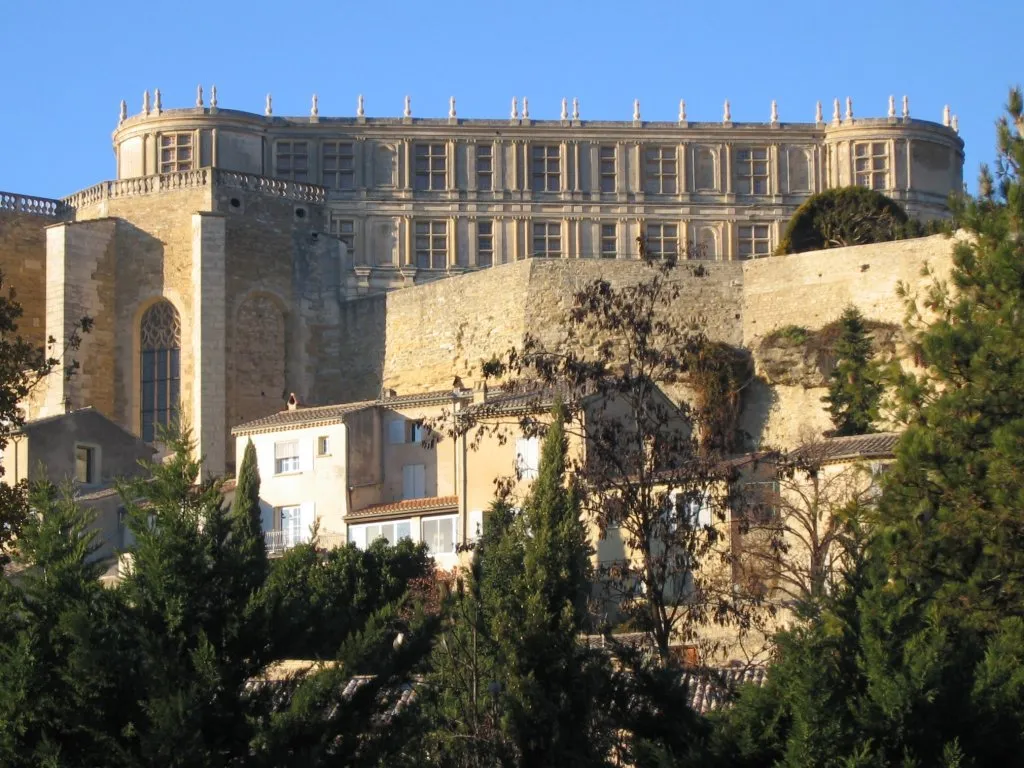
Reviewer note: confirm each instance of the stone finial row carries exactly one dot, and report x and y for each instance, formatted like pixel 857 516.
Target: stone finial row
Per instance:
pixel 948 119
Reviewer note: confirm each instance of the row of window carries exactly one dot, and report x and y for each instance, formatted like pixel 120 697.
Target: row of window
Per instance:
pixel 430 242
pixel 439 533
pixel 430 166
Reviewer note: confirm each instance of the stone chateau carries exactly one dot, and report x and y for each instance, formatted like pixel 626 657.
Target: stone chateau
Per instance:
pixel 237 257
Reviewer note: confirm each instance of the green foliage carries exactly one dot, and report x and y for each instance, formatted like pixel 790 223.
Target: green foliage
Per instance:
pixel 855 384
pixel 718 373
pixel 844 216
pixel 795 335
pixel 246 522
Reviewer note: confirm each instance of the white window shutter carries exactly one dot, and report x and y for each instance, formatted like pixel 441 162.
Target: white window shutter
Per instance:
pixel 264 458
pixel 407 481
pixel 396 431
pixel 307 448
pixel 420 472
pixel 306 519
pixel 476 525
pixel 521 451
pixel 535 454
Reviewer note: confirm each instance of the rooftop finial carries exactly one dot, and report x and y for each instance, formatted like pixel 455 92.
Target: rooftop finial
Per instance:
pixel 818 116
pixel 123 115
pixel 407 111
pixel 158 107
pixel 775 112
pixel 451 108
pixel 849 108
pixel 954 123
pixel 906 107
pixel 314 109
pixel 575 108
pixel 892 107
pixel 636 110
pixel 526 108
pixel 515 109
pixel 945 115
pixel 213 97
pixel 269 109
pixel 145 102
pixel 682 110
pixel 726 113
pixel 565 109
pixel 199 96
pixel 360 112
pixel 835 112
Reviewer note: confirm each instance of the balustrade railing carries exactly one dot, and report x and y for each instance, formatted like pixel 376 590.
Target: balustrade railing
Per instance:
pixel 38 206
pixel 294 190
pixel 277 542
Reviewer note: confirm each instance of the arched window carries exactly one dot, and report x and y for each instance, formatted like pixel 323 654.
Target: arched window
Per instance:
pixel 160 379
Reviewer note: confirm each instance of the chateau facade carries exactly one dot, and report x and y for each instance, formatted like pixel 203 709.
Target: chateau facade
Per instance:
pixel 239 257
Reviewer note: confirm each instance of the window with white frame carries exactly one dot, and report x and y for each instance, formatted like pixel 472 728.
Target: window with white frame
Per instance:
pixel 752 171
pixel 290 525
pixel 753 240
pixel 528 457
pixel 339 164
pixel 484 243
pixel 86 464
pixel 431 244
pixel 176 152
pixel 547 239
pixel 871 164
pixel 475 525
pixel 414 481
pixel 485 167
pixel 662 240
pixel 606 167
pixel 661 170
pixel 439 534
pixel 291 160
pixel 286 457
pixel 430 163
pixel 609 241
pixel 546 168
pixel 391 531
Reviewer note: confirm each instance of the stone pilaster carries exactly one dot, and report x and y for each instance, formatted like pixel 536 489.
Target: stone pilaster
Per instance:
pixel 209 396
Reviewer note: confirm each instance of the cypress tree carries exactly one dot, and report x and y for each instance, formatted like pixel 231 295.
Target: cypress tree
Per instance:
pixel 246 523
pixel 855 388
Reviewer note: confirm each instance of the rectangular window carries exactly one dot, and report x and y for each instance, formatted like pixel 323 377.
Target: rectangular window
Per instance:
pixel 392 532
pixel 754 240
pixel 323 446
pixel 662 240
pixel 339 164
pixel 417 431
pixel 752 171
pixel 871 164
pixel 430 163
pixel 344 230
pixel 85 464
pixel 431 244
pixel 292 160
pixel 547 239
pixel 475 524
pixel 290 526
pixel 660 164
pixel 439 534
pixel 414 481
pixel 528 457
pixel 176 152
pixel 484 167
pixel 546 168
pixel 607 168
pixel 484 243
pixel 609 241
pixel 286 457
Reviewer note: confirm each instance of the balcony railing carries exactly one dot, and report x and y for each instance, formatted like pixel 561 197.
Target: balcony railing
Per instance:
pixel 38 206
pixel 278 542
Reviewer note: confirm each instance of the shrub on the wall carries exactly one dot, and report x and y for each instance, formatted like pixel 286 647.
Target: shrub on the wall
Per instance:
pixel 845 216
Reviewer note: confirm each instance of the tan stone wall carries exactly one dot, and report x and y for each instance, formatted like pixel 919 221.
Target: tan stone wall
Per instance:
pixel 23 265
pixel 444 329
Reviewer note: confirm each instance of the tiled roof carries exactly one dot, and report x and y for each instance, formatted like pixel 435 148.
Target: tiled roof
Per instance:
pixel 881 445
pixel 712 688
pixel 321 414
pixel 431 504
pixel 522 399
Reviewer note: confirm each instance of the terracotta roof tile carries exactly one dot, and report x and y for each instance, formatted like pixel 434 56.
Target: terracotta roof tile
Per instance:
pixel 430 504
pixel 881 445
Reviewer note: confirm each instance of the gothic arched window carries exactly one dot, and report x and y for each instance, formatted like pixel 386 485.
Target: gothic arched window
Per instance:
pixel 160 336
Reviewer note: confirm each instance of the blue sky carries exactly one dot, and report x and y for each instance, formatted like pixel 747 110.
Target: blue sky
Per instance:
pixel 67 64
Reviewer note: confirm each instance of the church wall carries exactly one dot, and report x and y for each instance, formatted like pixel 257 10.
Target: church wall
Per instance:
pixel 23 265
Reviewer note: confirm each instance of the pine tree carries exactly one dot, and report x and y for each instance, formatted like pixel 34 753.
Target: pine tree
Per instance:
pixel 855 388
pixel 246 522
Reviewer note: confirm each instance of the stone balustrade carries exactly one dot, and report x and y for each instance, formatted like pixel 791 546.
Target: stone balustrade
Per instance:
pixel 146 185
pixel 37 206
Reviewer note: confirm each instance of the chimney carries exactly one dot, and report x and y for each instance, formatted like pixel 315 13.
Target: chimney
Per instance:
pixel 293 402
pixel 480 392
pixel 386 393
